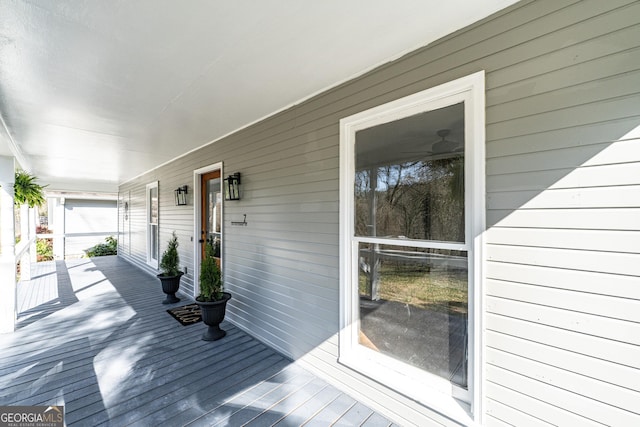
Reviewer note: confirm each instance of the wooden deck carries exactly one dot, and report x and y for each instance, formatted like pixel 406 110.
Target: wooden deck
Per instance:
pixel 93 336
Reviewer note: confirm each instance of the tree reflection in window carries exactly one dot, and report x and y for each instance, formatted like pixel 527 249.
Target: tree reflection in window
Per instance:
pixel 415 200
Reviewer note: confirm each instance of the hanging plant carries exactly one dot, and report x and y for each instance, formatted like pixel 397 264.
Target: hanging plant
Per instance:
pixel 26 190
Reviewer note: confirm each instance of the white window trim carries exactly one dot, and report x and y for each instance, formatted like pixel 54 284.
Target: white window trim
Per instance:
pixel 428 389
pixel 154 263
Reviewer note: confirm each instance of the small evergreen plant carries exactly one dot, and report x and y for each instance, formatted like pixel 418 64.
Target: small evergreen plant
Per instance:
pixel 210 276
pixel 169 264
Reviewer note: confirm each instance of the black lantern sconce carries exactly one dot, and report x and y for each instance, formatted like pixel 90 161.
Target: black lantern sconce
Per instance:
pixel 181 195
pixel 232 187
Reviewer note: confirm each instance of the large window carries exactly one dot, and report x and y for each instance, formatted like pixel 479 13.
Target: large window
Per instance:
pixel 412 212
pixel 152 224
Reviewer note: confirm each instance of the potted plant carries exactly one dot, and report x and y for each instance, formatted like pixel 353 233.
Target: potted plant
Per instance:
pixel 212 299
pixel 26 190
pixel 171 274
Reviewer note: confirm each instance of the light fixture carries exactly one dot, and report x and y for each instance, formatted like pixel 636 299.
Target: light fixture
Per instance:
pixel 232 187
pixel 181 195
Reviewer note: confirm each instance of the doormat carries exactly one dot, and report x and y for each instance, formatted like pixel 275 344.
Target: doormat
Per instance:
pixel 187 314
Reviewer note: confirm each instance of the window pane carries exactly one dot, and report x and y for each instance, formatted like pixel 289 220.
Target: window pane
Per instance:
pixel 153 204
pixel 414 305
pixel 409 180
pixel 153 229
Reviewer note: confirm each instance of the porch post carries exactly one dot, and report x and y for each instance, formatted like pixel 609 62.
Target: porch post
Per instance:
pixel 34 221
pixel 7 247
pixel 56 223
pixel 25 236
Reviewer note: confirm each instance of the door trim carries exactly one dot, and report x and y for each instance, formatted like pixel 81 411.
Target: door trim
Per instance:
pixel 197 220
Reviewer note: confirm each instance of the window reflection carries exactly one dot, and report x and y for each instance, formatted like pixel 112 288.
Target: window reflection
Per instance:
pixel 413 307
pixel 419 200
pixel 409 182
pixel 213 214
pixel 409 186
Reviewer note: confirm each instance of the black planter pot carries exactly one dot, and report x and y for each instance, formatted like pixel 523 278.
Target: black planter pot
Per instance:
pixel 212 315
pixel 170 285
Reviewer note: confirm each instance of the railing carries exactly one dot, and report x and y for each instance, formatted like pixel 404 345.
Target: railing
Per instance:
pixel 11 255
pixel 24 254
pixel 60 247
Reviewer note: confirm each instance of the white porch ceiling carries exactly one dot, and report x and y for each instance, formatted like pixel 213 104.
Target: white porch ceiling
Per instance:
pixel 94 92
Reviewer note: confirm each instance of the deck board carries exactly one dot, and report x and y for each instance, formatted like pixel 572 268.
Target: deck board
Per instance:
pixel 332 412
pixel 93 336
pixel 355 416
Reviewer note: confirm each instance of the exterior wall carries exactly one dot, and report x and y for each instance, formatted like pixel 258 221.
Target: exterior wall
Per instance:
pixel 563 170
pixel 560 294
pixel 132 231
pixel 88 222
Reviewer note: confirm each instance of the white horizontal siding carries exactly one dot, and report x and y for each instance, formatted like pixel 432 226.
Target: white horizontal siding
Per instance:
pixel 627 196
pixel 563 168
pixel 600 349
pixel 566 316
pixel 171 218
pixel 497 411
pixel 568 400
pixel 591 240
pixel 563 214
pixel 622 152
pixel 582 364
pixel 593 136
pixel 601 262
pixel 622 219
pixel 622 286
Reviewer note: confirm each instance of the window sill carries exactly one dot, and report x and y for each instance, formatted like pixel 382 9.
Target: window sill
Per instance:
pixel 432 394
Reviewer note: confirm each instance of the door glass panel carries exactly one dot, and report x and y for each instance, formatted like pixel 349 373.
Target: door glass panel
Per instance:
pixel 213 213
pixel 409 181
pixel 414 306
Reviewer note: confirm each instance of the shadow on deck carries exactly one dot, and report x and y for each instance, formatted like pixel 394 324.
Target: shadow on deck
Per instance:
pixel 93 336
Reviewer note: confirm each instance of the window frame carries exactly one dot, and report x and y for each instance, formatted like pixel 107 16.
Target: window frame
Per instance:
pixel 415 383
pixel 154 263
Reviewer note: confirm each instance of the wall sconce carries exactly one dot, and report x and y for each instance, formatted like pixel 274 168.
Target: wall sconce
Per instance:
pixel 232 187
pixel 181 195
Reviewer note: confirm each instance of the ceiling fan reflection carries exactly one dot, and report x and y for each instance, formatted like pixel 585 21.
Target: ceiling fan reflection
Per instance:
pixel 441 146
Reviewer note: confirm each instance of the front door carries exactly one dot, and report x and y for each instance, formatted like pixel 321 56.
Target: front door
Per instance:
pixel 211 212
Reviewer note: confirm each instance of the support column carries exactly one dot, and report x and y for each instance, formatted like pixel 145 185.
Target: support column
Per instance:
pixel 25 232
pixel 8 285
pixel 34 222
pixel 57 225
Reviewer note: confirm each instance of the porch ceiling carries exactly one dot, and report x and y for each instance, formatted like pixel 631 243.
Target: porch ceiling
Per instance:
pixel 93 93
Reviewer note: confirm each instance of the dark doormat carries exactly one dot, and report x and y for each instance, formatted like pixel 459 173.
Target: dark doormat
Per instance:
pixel 187 314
